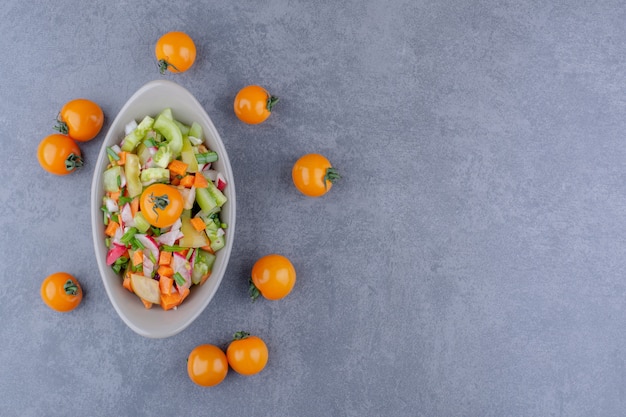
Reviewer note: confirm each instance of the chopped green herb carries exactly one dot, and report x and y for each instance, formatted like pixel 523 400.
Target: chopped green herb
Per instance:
pixel 129 235
pixel 174 248
pixel 206 157
pixel 180 280
pixel 114 156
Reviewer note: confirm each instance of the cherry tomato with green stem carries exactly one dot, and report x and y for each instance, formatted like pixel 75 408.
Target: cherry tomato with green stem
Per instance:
pixel 175 52
pixel 80 119
pixel 61 292
pixel 59 154
pixel 253 104
pixel 247 354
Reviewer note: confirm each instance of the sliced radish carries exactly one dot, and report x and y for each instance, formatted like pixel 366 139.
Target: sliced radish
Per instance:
pixel 220 182
pixel 189 197
pixel 149 244
pixel 127 215
pixel 117 237
pixel 111 205
pixel 148 265
pixel 210 174
pixel 181 265
pixel 115 252
pixel 170 237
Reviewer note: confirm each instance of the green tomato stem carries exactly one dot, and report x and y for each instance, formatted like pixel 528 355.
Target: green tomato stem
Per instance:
pixel 240 335
pixel 70 287
pixel 331 176
pixel 61 126
pixel 253 291
pixel 73 161
pixel 164 65
pixel 271 102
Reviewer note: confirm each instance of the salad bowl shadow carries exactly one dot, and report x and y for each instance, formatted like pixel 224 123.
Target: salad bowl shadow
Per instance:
pixel 151 99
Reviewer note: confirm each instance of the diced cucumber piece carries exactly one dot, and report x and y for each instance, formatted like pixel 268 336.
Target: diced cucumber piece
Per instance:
pixel 171 132
pixel 202 266
pixel 219 197
pixel 133 138
pixel 163 157
pixel 112 178
pixel 143 153
pixel 205 200
pixel 141 223
pixel 131 169
pixel 184 129
pixel 187 156
pixel 217 242
pixel 167 113
pixel 155 175
pixel 196 131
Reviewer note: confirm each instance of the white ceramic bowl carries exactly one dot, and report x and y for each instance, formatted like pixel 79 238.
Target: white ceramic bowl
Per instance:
pixel 157 323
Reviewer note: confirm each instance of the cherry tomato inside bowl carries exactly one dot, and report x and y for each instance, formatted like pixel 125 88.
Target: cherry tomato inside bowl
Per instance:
pixel 161 205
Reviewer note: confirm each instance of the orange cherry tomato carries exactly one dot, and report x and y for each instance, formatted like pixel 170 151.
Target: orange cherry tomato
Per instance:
pixel 175 52
pixel 61 292
pixel 80 119
pixel 253 104
pixel 313 175
pixel 207 365
pixel 246 354
pixel 59 155
pixel 273 277
pixel 161 205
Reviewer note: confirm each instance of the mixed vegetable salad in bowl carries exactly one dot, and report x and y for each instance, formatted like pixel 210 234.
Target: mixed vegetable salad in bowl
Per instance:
pixel 163 210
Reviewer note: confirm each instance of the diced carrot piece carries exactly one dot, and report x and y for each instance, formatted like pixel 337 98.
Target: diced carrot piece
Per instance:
pixel 165 258
pixel 175 180
pixel 137 257
pixel 165 284
pixel 134 206
pixel 114 195
pixel 171 300
pixel 122 159
pixel 187 181
pixel 200 181
pixel 184 295
pixel 198 223
pixel 208 249
pixel 111 228
pixel 165 271
pixel 126 283
pixel 146 304
pixel 177 167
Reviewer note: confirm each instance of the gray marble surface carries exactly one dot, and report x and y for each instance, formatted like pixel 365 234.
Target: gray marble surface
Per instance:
pixel 470 263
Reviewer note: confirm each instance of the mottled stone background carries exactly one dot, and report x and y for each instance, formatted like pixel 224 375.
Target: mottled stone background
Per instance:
pixel 470 263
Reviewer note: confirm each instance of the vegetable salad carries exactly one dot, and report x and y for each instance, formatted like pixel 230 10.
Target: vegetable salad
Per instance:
pixel 162 208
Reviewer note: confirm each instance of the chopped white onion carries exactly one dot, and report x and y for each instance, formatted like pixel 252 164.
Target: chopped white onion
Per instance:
pixel 130 126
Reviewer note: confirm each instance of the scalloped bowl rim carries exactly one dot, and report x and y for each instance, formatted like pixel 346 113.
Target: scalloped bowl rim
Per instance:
pixel 150 99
